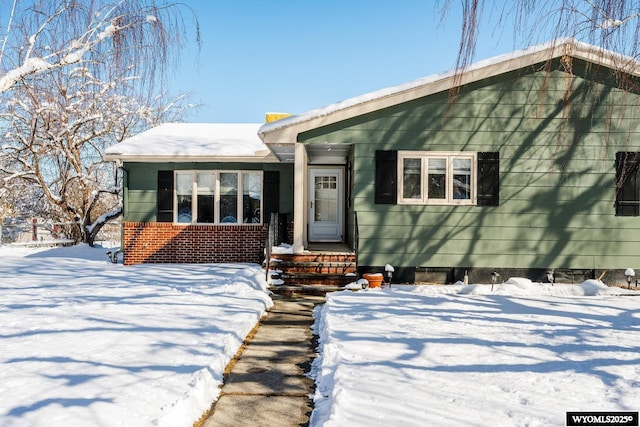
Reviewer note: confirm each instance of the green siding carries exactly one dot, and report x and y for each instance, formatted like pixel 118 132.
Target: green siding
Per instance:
pixel 142 182
pixel 557 150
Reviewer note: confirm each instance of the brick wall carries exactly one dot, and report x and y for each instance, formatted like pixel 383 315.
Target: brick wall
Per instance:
pixel 151 242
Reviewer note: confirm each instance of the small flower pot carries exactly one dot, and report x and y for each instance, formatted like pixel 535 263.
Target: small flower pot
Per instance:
pixel 374 279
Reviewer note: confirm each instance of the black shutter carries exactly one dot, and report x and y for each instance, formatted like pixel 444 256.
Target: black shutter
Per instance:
pixel 386 187
pixel 488 179
pixel 164 197
pixel 627 194
pixel 271 191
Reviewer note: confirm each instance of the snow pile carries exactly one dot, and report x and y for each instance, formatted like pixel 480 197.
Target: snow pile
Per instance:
pixel 524 354
pixel 523 286
pixel 86 342
pixel 357 285
pixel 283 248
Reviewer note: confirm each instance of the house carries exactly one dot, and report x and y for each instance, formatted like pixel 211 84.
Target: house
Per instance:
pixel 524 164
pixel 199 192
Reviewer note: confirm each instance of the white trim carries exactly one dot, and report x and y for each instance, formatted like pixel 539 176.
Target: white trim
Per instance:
pixel 216 213
pixel 259 158
pixel 424 156
pixel 339 172
pixel 299 199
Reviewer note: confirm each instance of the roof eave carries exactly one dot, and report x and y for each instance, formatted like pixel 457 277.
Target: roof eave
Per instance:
pixel 270 158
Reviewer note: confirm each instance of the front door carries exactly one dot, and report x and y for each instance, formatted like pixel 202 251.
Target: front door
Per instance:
pixel 325 205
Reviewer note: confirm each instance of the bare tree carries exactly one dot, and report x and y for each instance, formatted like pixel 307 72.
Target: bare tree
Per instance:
pixel 103 36
pixel 55 132
pixel 75 78
pixel 610 24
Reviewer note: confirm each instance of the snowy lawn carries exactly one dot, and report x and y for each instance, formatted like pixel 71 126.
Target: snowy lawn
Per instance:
pixel 88 343
pixel 522 355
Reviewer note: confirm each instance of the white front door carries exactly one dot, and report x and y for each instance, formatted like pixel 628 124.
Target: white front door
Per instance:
pixel 325 205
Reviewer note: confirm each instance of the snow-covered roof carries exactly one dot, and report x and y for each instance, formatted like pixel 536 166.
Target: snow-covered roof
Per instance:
pixel 194 142
pixel 287 129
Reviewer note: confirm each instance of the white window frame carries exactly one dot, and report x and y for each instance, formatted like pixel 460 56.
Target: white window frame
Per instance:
pixel 424 156
pixel 216 214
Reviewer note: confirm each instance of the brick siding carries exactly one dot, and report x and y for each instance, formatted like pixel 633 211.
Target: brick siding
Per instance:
pixel 151 242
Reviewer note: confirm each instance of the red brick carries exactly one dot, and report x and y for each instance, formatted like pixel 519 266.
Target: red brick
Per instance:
pixel 170 243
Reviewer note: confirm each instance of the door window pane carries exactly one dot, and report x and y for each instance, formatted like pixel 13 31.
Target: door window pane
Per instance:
pixel 412 179
pixel 206 183
pixel 228 197
pixel 184 195
pixel 462 179
pixel 251 193
pixel 437 179
pixel 326 198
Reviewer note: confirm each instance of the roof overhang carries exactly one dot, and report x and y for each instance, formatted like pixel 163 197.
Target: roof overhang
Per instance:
pixel 260 157
pixel 278 134
pixel 194 143
pixel 190 159
pixel 283 151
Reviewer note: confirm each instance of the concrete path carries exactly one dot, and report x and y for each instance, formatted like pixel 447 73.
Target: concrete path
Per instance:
pixel 267 385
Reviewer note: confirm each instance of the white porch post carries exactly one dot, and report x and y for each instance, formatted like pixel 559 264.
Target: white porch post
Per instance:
pixel 299 198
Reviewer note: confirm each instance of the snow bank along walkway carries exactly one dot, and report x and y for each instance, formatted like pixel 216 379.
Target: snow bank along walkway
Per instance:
pixel 267 385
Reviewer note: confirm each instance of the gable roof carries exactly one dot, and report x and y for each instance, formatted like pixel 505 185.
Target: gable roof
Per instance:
pixel 286 130
pixel 194 142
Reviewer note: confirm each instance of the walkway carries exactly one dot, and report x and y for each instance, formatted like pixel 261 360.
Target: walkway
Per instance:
pixel 267 385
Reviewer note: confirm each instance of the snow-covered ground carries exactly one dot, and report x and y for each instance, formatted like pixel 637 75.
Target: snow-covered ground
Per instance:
pixel 84 342
pixel 521 355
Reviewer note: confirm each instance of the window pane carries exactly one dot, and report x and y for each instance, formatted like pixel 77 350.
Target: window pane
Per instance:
pixel 411 182
pixel 325 197
pixel 462 179
pixel 228 197
pixel 251 195
pixel 184 193
pixel 436 186
pixel 206 190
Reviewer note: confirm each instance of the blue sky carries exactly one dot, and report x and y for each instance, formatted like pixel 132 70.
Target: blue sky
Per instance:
pixel 292 56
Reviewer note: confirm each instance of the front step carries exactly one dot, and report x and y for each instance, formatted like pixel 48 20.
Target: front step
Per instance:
pixel 314 267
pixel 291 290
pixel 318 278
pixel 314 273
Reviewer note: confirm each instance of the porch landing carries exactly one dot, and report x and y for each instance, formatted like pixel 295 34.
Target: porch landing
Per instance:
pixel 341 248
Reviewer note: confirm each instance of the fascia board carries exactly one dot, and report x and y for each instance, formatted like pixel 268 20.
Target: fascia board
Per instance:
pixel 190 159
